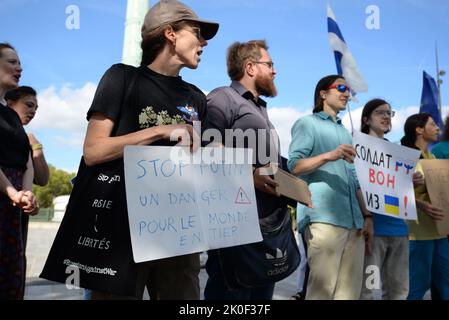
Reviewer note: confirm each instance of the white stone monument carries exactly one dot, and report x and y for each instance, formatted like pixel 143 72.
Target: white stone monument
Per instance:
pixel 60 205
pixel 135 14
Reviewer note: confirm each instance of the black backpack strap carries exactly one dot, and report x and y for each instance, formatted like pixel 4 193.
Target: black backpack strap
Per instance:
pixel 129 94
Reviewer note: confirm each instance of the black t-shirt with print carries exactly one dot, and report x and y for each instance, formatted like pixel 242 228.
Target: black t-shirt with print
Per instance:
pixel 14 144
pixel 155 100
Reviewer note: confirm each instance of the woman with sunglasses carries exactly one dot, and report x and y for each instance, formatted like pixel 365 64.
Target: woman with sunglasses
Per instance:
pixel 321 153
pixel 429 251
pixel 390 243
pixel 173 37
pixel 160 112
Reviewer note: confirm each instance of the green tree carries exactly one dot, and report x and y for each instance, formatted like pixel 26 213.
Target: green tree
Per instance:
pixel 58 185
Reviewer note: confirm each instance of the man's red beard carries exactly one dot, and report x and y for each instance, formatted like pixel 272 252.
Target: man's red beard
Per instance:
pixel 265 86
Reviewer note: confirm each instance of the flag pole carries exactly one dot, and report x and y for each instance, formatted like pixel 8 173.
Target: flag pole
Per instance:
pixel 439 73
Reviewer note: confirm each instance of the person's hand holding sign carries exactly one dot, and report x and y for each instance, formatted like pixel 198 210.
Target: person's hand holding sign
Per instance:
pixel 434 212
pixel 344 151
pixel 418 179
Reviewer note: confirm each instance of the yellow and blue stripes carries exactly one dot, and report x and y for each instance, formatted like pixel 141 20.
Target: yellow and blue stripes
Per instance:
pixel 391 205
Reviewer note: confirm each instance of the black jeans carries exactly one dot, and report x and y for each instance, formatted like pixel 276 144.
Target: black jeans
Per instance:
pixel 216 288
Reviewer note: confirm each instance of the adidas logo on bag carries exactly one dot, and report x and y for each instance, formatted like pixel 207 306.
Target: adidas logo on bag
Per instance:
pixel 279 262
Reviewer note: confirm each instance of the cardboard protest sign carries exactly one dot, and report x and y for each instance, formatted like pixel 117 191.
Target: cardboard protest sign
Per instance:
pixel 179 204
pixel 385 172
pixel 293 187
pixel 436 173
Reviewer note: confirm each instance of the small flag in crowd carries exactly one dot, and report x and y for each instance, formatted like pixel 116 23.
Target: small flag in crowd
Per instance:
pixel 391 205
pixel 346 65
pixel 429 99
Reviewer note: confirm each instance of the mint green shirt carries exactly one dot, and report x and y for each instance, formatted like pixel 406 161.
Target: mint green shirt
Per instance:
pixel 441 150
pixel 334 184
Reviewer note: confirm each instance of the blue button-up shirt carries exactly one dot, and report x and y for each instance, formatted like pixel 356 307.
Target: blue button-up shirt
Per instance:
pixel 334 184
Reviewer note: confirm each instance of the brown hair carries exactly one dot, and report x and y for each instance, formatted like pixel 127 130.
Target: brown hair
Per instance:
pixel 418 120
pixel 19 92
pixel 240 53
pixel 445 136
pixel 154 41
pixel 5 45
pixel 368 109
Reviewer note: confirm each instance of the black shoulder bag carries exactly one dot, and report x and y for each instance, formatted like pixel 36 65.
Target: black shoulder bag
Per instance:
pixel 262 263
pixel 271 260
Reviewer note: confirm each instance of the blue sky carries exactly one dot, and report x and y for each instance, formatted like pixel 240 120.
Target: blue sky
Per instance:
pixel 66 65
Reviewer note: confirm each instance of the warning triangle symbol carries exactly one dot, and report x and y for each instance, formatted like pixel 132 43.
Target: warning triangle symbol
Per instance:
pixel 242 197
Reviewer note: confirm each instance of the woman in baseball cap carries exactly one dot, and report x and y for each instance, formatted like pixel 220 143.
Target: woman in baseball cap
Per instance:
pixel 167 34
pixel 167 11
pixel 147 105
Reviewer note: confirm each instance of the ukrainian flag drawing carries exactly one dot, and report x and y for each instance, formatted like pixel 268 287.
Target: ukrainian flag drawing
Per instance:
pixel 391 205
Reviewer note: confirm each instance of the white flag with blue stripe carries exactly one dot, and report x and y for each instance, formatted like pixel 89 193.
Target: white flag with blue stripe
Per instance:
pixel 346 65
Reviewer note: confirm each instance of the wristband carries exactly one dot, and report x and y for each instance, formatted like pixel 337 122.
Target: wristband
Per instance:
pixel 36 146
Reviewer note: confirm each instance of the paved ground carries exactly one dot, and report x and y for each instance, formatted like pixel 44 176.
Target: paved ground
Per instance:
pixel 40 238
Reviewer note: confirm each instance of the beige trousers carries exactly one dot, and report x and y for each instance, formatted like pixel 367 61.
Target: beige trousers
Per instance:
pixel 335 257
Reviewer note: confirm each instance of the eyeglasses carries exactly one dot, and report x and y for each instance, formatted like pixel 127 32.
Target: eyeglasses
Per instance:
pixel 269 64
pixel 196 31
pixel 384 113
pixel 340 87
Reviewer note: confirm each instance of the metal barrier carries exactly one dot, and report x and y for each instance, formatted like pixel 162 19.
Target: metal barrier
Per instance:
pixel 45 214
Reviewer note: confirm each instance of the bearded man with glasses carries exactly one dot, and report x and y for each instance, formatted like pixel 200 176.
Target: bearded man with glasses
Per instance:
pixel 239 107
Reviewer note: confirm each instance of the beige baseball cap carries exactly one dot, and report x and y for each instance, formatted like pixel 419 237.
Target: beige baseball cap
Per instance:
pixel 166 11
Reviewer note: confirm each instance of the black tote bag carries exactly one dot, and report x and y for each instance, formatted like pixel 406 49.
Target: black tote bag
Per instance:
pixel 262 263
pixel 93 239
